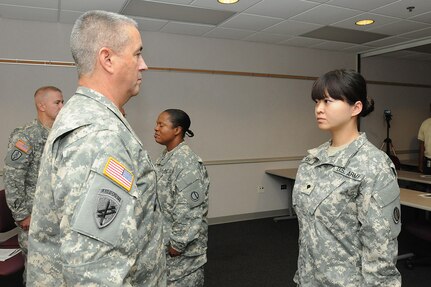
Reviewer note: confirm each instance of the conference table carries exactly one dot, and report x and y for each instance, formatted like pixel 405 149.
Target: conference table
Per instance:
pixel 408 197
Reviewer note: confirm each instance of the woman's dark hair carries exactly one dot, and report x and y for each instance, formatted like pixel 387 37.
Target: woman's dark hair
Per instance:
pixel 179 118
pixel 346 85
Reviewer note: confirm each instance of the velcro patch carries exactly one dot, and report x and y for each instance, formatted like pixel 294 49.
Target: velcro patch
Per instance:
pixel 16 155
pixel 108 205
pixel 118 173
pixel 22 146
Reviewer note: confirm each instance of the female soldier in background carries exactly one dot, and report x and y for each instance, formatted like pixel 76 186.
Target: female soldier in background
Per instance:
pixel 183 195
pixel 346 195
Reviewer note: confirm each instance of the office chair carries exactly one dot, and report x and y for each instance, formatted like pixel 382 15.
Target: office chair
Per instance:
pixel 421 230
pixel 11 270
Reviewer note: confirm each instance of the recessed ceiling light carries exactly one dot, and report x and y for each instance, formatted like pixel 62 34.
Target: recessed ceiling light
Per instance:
pixel 227 1
pixel 364 22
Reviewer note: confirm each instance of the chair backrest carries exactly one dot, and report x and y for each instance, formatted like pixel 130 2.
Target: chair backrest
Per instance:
pixel 6 220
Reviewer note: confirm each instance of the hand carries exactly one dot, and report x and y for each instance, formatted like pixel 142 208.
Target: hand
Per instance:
pixel 25 223
pixel 173 252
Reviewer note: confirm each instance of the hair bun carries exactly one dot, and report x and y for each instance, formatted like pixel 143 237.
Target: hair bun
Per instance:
pixel 189 133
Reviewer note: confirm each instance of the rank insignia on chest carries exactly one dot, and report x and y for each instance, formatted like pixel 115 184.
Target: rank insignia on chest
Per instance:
pixel 22 146
pixel 107 207
pixel 118 173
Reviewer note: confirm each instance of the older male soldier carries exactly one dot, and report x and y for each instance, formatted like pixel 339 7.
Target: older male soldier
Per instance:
pixel 23 158
pixel 95 221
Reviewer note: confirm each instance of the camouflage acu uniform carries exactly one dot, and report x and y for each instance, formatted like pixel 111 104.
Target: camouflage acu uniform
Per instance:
pixel 182 189
pixel 21 170
pixel 95 222
pixel 349 217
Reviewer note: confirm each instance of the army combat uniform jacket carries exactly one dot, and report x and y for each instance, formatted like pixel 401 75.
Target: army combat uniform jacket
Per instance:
pixel 182 187
pixel 95 222
pixel 349 217
pixel 21 170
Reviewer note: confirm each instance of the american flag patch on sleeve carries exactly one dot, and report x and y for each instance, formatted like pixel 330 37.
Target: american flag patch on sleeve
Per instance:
pixel 118 173
pixel 22 146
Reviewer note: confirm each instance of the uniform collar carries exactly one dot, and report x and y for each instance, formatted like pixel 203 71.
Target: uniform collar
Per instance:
pixel 166 155
pixel 95 95
pixel 44 130
pixel 340 158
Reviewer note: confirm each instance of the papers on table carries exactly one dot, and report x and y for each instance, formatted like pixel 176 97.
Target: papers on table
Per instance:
pixel 5 254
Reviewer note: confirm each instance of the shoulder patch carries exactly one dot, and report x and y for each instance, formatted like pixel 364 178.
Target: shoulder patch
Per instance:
pixel 107 207
pixel 23 146
pixel 118 173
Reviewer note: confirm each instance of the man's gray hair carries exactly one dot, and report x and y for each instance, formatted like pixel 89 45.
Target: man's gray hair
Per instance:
pixel 94 30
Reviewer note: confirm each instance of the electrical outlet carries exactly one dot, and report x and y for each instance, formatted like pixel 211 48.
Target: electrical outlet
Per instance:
pixel 283 186
pixel 260 189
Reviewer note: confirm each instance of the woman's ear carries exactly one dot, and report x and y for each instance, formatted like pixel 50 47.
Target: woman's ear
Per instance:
pixel 357 108
pixel 178 130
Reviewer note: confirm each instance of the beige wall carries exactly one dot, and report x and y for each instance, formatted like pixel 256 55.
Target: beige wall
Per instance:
pixel 233 117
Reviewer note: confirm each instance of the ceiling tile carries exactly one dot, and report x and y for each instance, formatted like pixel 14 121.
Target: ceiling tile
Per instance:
pixel 280 8
pixel 301 42
pixel 425 18
pixel 186 28
pixel 399 8
pixel 319 1
pixel 180 13
pixel 69 17
pixel 53 4
pixel 148 24
pixel 399 27
pixel 387 42
pixel 294 28
pixel 358 48
pixel 86 5
pixel 28 13
pixel 228 33
pixel 331 45
pixel 250 22
pixel 185 2
pixel 326 15
pixel 363 5
pixel 336 34
pixel 214 4
pixel 266 38
pixel 418 34
pixel 380 20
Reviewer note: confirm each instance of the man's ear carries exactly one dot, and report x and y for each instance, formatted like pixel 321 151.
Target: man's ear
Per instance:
pixel 41 106
pixel 357 108
pixel 105 59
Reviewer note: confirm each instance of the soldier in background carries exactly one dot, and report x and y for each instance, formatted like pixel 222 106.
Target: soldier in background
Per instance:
pixel 183 195
pixel 22 161
pixel 424 139
pixel 95 219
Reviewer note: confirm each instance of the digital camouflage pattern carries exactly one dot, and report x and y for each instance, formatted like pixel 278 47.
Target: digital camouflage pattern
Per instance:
pixel 349 217
pixel 21 170
pixel 182 187
pixel 95 221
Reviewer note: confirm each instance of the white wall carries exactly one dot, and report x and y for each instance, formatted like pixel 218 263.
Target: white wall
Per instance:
pixel 233 117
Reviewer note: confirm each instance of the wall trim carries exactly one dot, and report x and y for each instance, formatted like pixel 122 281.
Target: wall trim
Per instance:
pixel 205 71
pixel 275 159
